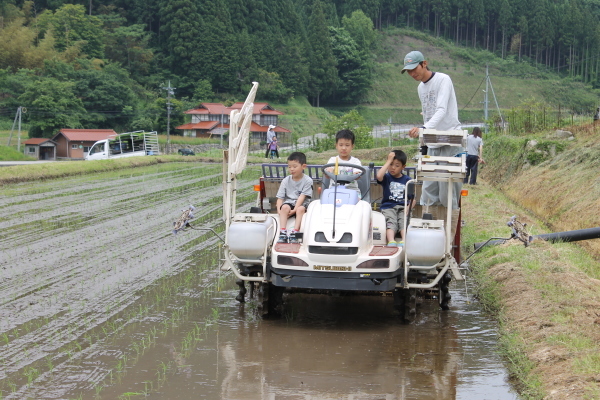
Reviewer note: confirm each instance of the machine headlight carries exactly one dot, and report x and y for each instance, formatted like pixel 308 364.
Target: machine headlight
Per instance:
pixel 377 263
pixel 291 261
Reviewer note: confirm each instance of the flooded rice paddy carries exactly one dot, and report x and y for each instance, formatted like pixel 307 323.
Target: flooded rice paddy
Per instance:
pixel 99 300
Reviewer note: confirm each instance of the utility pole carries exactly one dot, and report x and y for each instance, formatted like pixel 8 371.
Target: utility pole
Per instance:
pixel 485 98
pixel 17 116
pixel 19 137
pixel 170 92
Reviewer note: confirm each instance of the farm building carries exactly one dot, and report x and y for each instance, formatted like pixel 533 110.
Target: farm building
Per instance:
pixel 211 120
pixel 40 148
pixel 75 143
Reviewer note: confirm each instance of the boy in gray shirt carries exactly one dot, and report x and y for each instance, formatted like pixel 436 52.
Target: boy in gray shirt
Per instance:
pixel 293 197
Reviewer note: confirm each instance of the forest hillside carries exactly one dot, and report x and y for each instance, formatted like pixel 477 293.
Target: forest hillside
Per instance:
pixel 107 63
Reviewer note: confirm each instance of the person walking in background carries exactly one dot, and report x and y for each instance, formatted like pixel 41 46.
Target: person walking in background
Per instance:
pixel 474 155
pixel 274 147
pixel 270 136
pixel 440 111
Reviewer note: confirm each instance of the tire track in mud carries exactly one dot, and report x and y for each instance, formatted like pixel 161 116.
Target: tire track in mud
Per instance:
pixel 91 250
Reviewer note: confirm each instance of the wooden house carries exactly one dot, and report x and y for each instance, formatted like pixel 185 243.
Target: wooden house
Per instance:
pixel 212 120
pixel 75 143
pixel 40 148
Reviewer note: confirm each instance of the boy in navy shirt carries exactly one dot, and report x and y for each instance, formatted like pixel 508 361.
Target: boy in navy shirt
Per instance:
pixel 392 179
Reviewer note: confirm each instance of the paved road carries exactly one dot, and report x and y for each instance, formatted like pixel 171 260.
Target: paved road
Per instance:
pixel 12 163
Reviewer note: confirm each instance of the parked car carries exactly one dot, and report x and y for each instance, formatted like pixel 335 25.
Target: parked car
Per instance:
pixel 186 152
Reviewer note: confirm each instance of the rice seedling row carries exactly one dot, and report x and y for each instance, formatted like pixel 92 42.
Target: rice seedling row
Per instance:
pixel 70 283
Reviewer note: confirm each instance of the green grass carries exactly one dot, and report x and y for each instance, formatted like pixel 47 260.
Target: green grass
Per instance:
pixel 185 140
pixel 541 267
pixel 513 349
pixel 26 173
pixel 300 117
pixel 11 154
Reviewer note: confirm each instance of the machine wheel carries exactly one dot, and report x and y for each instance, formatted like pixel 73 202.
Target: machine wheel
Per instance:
pixel 405 302
pixel 270 300
pixel 241 297
pixel 444 295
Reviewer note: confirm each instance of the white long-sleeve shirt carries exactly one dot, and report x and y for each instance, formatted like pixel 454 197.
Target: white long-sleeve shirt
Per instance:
pixel 438 102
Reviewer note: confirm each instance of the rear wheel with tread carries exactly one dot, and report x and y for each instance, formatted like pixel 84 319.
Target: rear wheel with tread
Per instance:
pixel 444 295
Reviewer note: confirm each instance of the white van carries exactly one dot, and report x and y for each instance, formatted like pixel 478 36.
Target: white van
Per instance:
pixel 130 144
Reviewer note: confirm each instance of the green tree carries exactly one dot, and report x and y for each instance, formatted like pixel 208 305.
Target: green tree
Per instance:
pixel 292 64
pixel 12 85
pixel 18 47
pixel 363 138
pixel 219 61
pixel 71 26
pixel 51 105
pixel 154 116
pixel 129 46
pixel 202 92
pixel 353 67
pixel 180 25
pixel 323 74
pixel 360 27
pixel 272 88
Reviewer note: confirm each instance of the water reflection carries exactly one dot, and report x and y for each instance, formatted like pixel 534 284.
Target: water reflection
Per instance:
pixel 354 348
pixel 330 348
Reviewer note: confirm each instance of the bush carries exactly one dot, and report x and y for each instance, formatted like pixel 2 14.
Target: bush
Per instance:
pixel 353 121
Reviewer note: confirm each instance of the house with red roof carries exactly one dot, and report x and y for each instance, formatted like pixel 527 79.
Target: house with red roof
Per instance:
pixel 75 143
pixel 40 148
pixel 212 119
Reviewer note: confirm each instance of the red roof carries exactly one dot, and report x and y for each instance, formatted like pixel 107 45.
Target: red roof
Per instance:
pixel 200 125
pixel 254 127
pixel 86 135
pixel 218 108
pixel 37 141
pixel 259 108
pixel 210 108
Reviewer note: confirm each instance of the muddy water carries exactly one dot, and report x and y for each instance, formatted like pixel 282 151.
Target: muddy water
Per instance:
pixel 325 348
pixel 99 300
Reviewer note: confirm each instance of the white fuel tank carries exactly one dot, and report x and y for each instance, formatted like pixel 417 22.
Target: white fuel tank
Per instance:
pixel 424 246
pixel 249 235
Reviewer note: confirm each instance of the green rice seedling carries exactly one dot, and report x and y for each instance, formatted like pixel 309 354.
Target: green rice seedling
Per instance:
pixel 119 367
pixel 31 374
pixel 49 364
pixel 127 395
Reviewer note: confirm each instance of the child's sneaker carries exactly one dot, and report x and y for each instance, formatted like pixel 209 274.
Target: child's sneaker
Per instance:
pixel 400 244
pixel 283 237
pixel 391 244
pixel 292 237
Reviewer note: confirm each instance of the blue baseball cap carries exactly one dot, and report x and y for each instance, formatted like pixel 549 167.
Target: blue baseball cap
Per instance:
pixel 412 59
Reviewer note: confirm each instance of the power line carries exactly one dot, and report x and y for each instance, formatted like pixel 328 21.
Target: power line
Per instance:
pixel 476 91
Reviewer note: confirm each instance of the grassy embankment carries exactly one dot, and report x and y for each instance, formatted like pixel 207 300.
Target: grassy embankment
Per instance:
pixel 10 153
pixel 545 296
pixel 59 169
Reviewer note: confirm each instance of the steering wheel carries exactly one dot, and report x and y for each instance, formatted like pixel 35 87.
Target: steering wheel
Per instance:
pixel 343 178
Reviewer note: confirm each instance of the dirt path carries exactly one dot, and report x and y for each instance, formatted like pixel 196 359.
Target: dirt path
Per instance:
pixel 76 252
